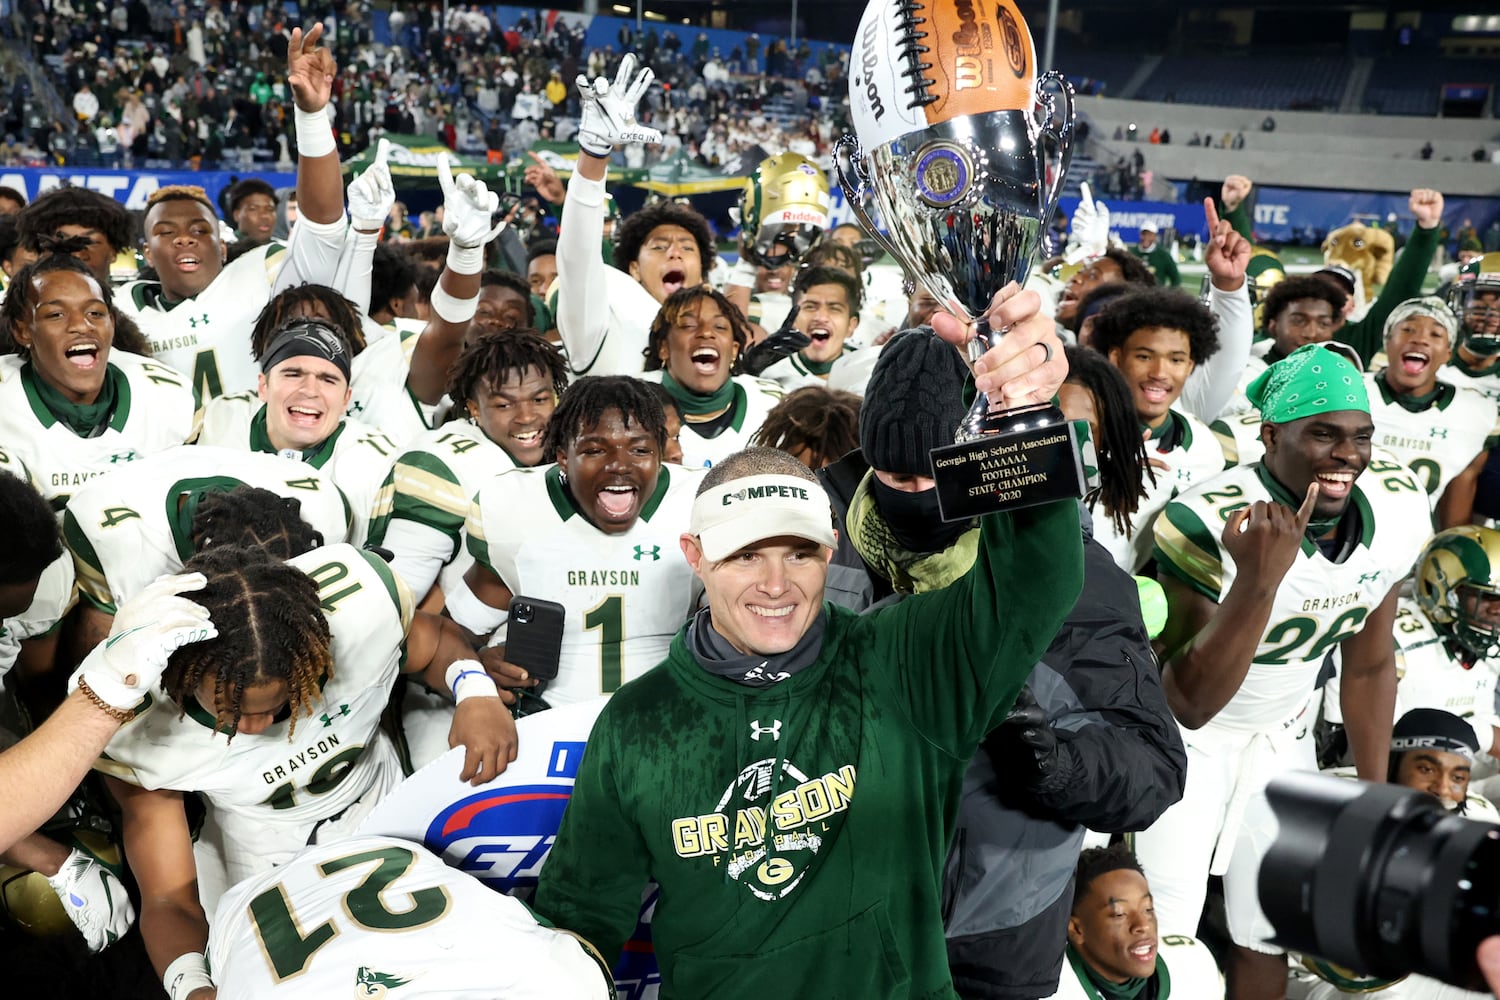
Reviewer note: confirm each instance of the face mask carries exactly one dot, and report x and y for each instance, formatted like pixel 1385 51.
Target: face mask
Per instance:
pixel 914 519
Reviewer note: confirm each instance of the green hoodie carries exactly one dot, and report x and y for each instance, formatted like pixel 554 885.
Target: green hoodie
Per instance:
pixel 840 896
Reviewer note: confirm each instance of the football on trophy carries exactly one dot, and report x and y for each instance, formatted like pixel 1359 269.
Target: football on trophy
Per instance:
pixel 920 62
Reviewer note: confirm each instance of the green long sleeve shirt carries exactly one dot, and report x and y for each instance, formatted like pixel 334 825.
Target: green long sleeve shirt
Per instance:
pixel 798 831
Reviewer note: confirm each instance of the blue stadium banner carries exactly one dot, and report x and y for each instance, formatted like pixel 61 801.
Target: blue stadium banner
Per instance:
pixel 1287 215
pixel 131 187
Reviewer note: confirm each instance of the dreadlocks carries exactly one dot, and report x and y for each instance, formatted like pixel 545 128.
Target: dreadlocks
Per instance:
pixel 488 358
pixel 1118 446
pixel 19 306
pixel 253 518
pixel 583 406
pixel 818 425
pixel 270 629
pixel 76 206
pixel 302 302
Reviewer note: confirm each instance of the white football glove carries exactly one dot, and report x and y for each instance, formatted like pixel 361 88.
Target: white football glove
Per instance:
pixel 372 193
pixel 468 208
pixel 93 899
pixel 1090 231
pixel 608 118
pixel 147 629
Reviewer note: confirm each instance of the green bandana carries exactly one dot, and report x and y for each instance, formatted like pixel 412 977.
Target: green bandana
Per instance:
pixel 695 404
pixel 260 440
pixel 1096 986
pixel 908 572
pixel 1309 381
pixel 83 419
pixel 816 367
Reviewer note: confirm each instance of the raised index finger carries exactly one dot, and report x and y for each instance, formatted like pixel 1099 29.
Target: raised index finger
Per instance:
pixel 1211 213
pixel 445 176
pixel 1305 512
pixel 383 152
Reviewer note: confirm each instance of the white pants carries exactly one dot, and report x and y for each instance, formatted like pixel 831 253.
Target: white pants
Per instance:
pixel 1220 827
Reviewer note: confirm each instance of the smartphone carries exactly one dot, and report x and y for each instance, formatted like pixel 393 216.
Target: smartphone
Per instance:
pixel 533 637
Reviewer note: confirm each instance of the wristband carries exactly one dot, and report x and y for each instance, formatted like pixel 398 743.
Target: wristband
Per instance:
pixel 744 273
pixel 186 973
pixel 314 134
pixel 465 260
pixel 467 679
pixel 451 308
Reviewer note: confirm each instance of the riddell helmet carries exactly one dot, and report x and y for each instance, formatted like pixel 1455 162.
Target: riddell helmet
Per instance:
pixel 783 210
pixel 27 900
pixel 1458 563
pixel 1345 980
pixel 1475 299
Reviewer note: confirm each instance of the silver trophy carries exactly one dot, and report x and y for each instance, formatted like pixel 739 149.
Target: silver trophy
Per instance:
pixel 965 204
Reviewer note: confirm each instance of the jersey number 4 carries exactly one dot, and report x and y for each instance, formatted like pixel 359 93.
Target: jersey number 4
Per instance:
pixel 288 950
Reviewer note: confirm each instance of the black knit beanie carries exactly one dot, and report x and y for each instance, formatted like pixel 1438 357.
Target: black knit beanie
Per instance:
pixel 913 402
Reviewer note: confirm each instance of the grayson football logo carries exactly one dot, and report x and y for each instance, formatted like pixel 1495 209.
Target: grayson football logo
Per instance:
pixel 755 812
pixel 502 836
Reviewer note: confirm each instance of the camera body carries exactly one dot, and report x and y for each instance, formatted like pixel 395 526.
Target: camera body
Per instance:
pixel 1380 878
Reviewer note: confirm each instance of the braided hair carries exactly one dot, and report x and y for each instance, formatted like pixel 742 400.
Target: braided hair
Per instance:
pixel 583 406
pixel 823 423
pixel 76 206
pixel 487 358
pixel 271 628
pixel 18 306
pixel 301 301
pixel 253 518
pixel 1120 451
pixel 685 302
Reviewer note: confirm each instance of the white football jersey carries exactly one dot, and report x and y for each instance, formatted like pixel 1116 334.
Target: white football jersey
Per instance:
pixel 356 456
pixel 1185 968
pixel 135 524
pixel 376 916
pixel 753 399
pixel 1439 442
pixel 427 493
pixel 1196 458
pixel 154 410
pixel 1319 603
pixel 1429 676
pixel 281 778
pixel 792 372
pixel 377 381
pixel 1239 437
pixel 1460 374
pixel 626 595
pixel 207 337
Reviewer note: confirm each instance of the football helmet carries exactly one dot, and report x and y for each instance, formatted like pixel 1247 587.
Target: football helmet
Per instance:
pixel 1458 574
pixel 783 210
pixel 1474 298
pixel 1262 273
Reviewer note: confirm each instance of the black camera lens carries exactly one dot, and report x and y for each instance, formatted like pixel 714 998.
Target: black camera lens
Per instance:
pixel 523 613
pixel 1380 879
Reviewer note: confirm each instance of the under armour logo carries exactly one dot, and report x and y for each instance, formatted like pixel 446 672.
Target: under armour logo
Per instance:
pixel 757 730
pixel 1438 432
pixel 124 456
pixel 642 552
pixel 195 320
pixel 1368 577
pixel 328 719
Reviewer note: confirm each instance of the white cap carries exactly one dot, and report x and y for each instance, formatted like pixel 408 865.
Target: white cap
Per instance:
pixel 1148 227
pixel 744 511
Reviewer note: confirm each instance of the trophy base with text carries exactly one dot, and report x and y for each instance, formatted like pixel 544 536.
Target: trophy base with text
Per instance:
pixel 1023 457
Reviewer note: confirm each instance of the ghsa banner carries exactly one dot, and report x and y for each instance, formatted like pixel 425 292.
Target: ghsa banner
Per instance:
pixel 501 832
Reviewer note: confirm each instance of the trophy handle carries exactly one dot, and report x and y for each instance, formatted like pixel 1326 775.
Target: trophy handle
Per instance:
pixel 1056 125
pixel 857 191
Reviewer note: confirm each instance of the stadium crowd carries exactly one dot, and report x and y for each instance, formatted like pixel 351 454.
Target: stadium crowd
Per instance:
pixel 291 517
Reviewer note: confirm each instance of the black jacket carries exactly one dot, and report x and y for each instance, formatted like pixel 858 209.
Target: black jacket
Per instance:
pixel 1008 885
